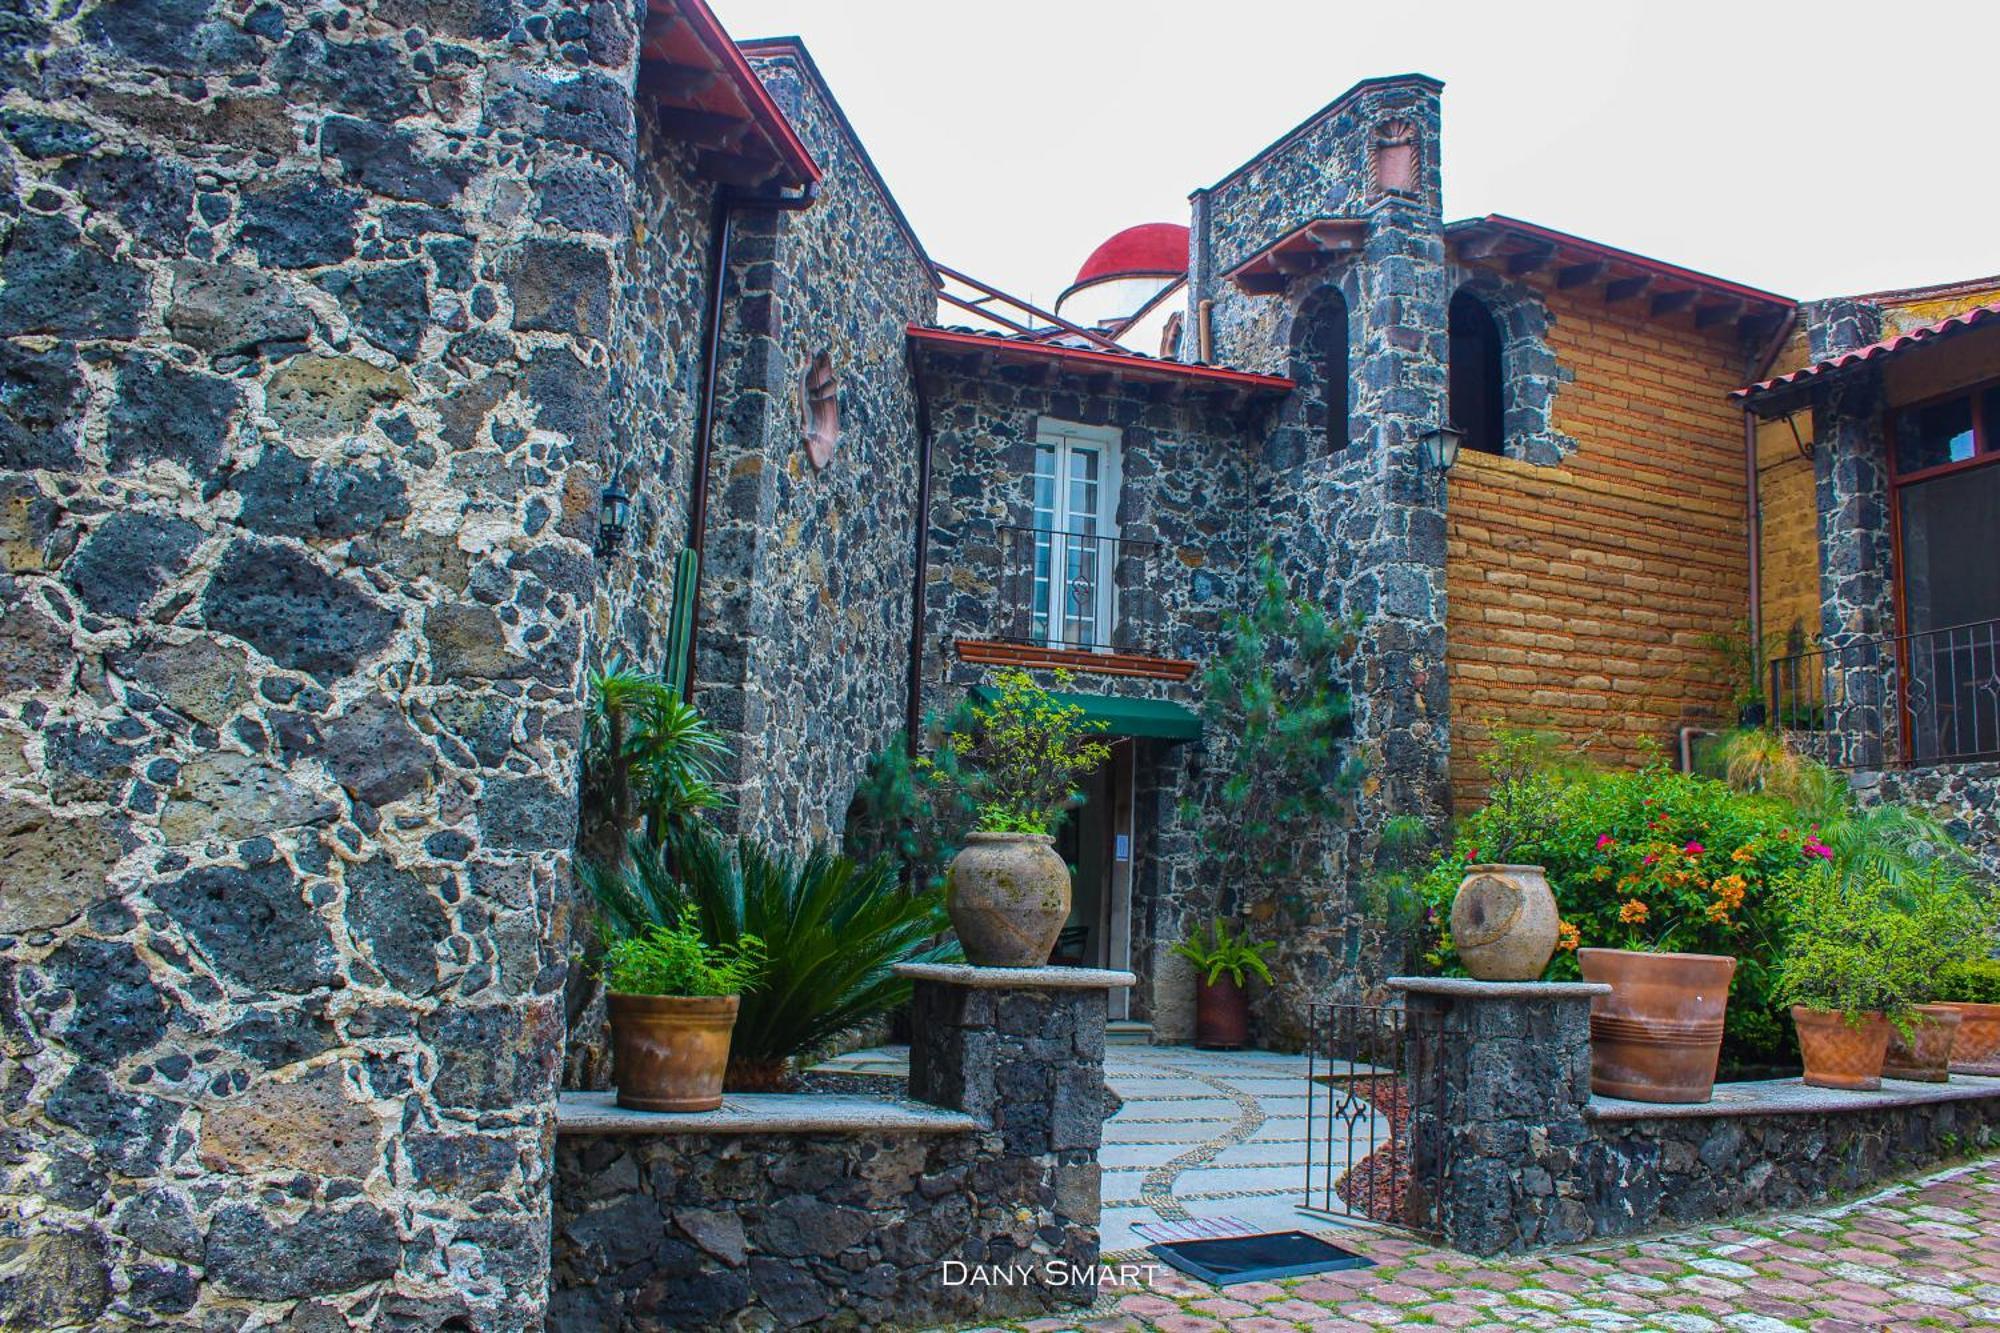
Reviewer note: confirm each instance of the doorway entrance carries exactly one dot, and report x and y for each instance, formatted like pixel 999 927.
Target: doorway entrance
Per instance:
pixel 1097 843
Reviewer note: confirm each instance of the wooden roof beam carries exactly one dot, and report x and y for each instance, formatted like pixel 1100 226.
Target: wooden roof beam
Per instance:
pixel 1530 261
pixel 1672 303
pixel 1579 275
pixel 1483 245
pixel 1711 313
pixel 1624 289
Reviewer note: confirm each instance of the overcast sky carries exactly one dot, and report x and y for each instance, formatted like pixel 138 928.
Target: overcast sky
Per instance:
pixel 1811 149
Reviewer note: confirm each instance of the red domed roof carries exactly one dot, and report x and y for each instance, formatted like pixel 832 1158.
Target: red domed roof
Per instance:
pixel 1149 249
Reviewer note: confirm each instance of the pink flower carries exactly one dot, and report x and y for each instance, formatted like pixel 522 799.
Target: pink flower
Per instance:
pixel 1814 847
pixel 1694 849
pixel 1604 840
pixel 1650 858
pixel 1471 855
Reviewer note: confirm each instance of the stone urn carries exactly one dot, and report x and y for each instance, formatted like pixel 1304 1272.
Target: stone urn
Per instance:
pixel 1839 1053
pixel 1658 1035
pixel 1504 922
pixel 1008 897
pixel 1977 1048
pixel 1925 1055
pixel 669 1052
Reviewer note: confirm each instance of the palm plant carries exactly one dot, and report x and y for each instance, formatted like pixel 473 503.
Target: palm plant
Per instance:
pixel 832 931
pixel 649 756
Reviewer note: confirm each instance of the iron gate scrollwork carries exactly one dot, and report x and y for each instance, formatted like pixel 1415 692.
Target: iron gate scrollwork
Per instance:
pixel 1367 1066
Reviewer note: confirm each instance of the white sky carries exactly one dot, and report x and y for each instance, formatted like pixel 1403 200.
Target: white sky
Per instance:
pixel 1809 148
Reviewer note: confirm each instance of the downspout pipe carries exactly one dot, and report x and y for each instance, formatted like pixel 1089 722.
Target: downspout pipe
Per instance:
pixel 913 710
pixel 1753 508
pixel 727 204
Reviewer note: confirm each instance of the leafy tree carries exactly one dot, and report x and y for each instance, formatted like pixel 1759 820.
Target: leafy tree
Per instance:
pixel 1017 759
pixel 1271 703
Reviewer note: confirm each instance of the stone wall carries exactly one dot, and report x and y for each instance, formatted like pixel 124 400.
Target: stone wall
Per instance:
pixel 803 657
pixel 1359 525
pixel 1581 593
pixel 814 1211
pixel 302 325
pixel 1522 1157
pixel 1965 796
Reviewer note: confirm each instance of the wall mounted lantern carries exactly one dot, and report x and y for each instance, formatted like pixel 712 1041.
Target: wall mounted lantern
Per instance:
pixel 1439 451
pixel 614 515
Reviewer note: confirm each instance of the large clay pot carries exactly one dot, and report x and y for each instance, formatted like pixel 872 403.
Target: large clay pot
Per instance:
pixel 1658 1035
pixel 1008 898
pixel 1504 922
pixel 1840 1054
pixel 668 1052
pixel 1924 1055
pixel 1221 1014
pixel 1977 1048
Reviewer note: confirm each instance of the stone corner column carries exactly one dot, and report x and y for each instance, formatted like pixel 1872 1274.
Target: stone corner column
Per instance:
pixel 1499 1075
pixel 1022 1049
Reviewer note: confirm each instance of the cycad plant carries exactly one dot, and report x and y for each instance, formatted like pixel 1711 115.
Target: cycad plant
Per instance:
pixel 833 931
pixel 650 758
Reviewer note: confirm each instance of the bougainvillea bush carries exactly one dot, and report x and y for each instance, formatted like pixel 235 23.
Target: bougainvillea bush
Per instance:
pixel 1658 860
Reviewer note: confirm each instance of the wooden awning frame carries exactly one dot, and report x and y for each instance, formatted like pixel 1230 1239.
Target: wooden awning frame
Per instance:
pixel 1304 249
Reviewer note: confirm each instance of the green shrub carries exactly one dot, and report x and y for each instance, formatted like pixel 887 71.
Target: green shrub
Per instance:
pixel 1972 981
pixel 650 758
pixel 674 959
pixel 1018 758
pixel 1648 859
pixel 1855 946
pixel 1217 951
pixel 831 932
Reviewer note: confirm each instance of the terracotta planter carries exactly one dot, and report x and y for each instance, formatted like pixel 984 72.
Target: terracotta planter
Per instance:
pixel 668 1052
pixel 1840 1054
pixel 1924 1055
pixel 1977 1049
pixel 1504 922
pixel 1658 1035
pixel 1221 1014
pixel 1008 898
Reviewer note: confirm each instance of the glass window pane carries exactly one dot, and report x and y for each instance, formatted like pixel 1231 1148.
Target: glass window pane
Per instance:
pixel 1951 601
pixel 1989 416
pixel 1045 487
pixel 1935 435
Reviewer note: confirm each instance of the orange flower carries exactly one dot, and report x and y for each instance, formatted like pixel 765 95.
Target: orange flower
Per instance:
pixel 1567 935
pixel 1743 855
pixel 1719 913
pixel 1601 873
pixel 1632 913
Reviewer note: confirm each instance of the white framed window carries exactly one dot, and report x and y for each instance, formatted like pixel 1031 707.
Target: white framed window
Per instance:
pixel 1075 533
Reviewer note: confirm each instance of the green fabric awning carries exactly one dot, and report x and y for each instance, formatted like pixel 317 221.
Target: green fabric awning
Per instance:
pixel 1159 719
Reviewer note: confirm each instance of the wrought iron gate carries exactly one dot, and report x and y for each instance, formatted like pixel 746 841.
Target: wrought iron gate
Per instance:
pixel 1364 1066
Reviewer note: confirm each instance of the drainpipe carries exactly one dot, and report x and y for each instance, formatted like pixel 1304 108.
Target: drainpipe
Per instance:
pixel 727 203
pixel 913 711
pixel 1754 508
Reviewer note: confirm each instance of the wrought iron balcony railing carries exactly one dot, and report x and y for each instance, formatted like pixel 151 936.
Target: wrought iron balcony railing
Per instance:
pixel 1077 590
pixel 1907 700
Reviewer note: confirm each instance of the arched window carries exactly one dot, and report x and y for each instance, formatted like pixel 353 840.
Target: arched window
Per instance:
pixel 1320 364
pixel 1334 368
pixel 1475 384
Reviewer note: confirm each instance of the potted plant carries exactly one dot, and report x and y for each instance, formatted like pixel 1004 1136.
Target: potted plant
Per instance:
pixel 672 1000
pixel 1953 926
pixel 1847 974
pixel 1225 962
pixel 1018 759
pixel 1504 922
pixel 1971 988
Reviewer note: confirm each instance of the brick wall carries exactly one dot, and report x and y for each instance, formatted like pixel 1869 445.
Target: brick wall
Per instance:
pixel 1579 594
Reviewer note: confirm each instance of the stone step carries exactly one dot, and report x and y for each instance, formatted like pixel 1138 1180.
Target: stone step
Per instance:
pixel 1128 1032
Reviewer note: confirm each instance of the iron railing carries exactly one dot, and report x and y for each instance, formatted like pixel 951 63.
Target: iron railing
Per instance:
pixel 1906 700
pixel 1077 589
pixel 1364 1066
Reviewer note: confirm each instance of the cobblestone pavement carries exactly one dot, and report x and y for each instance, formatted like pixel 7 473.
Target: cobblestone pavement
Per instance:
pixel 1925 1255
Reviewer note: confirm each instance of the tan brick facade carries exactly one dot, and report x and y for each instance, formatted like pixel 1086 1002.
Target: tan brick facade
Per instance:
pixel 1580 594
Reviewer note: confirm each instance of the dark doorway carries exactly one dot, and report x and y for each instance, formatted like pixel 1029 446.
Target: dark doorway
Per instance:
pixel 1475 382
pixel 1096 842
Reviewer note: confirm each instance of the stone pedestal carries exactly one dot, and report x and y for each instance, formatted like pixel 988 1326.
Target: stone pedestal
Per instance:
pixel 1500 1081
pixel 1022 1050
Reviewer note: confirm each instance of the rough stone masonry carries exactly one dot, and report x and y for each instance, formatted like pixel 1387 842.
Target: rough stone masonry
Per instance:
pixel 295 500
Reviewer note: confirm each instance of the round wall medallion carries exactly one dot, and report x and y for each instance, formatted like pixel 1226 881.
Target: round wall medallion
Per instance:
pixel 819 410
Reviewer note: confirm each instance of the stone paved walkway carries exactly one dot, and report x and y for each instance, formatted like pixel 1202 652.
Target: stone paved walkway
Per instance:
pixel 1925 1255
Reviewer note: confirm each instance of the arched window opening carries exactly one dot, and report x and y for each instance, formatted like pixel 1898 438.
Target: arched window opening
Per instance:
pixel 1475 384
pixel 1334 369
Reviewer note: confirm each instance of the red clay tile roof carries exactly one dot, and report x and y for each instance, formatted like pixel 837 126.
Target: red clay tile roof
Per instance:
pixel 1772 394
pixel 691 69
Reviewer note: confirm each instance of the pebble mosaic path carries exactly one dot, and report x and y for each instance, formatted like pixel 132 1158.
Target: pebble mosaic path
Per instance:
pixel 1920 1256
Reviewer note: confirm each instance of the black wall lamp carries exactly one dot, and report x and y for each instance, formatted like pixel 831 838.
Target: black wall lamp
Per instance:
pixel 614 516
pixel 1438 450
